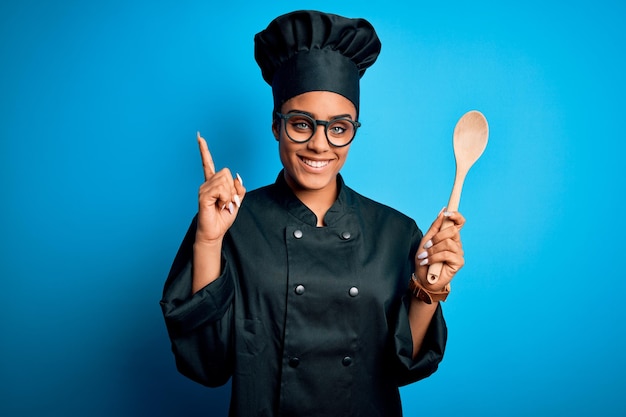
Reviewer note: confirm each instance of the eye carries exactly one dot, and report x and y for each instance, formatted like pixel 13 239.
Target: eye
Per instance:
pixel 337 130
pixel 340 127
pixel 300 123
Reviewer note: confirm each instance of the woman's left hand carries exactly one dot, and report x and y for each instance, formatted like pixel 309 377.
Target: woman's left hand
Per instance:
pixel 441 245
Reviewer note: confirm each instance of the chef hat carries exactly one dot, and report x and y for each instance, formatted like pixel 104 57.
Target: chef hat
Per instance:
pixel 312 51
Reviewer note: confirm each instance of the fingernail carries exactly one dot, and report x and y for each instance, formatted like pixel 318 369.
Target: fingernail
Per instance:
pixel 224 206
pixel 447 213
pixel 231 208
pixel 237 201
pixel 239 178
pixel 428 244
pixel 424 262
pixel 422 255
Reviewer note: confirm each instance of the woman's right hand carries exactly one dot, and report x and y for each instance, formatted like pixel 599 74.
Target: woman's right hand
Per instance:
pixel 219 199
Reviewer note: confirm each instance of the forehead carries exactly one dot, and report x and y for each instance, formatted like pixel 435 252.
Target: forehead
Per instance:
pixel 321 104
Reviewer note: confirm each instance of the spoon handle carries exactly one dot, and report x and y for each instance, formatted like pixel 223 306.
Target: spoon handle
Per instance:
pixel 434 270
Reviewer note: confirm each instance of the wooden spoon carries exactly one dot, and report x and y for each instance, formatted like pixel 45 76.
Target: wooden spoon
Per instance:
pixel 469 142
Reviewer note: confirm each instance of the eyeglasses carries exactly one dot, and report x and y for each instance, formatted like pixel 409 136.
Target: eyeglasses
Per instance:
pixel 301 127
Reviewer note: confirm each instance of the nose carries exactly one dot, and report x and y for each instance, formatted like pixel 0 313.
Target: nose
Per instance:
pixel 319 143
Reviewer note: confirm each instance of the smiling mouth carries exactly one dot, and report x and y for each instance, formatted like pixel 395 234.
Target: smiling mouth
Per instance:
pixel 314 164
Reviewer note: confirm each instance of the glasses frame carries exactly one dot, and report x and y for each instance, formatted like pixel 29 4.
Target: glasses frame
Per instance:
pixel 316 123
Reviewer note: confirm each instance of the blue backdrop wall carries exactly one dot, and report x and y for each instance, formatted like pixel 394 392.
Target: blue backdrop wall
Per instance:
pixel 99 105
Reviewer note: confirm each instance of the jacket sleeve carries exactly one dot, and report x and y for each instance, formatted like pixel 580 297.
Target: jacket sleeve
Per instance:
pixel 431 353
pixel 199 325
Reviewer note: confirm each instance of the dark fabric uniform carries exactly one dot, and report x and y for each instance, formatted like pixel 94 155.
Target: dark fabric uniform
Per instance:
pixel 307 321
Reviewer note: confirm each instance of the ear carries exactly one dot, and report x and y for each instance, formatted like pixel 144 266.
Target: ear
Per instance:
pixel 276 128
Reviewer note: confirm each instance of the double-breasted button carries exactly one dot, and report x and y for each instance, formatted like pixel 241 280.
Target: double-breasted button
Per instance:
pixel 294 362
pixel 297 233
pixel 299 289
pixel 346 361
pixel 354 291
pixel 345 235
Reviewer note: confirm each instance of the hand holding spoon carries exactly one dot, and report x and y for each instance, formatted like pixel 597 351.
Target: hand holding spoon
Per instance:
pixel 469 141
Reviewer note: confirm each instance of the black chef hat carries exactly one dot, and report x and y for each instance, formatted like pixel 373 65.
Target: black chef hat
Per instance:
pixel 312 51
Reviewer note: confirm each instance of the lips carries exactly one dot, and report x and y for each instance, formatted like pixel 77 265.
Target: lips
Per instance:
pixel 314 164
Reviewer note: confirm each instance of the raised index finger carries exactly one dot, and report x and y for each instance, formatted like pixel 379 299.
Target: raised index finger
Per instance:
pixel 207 161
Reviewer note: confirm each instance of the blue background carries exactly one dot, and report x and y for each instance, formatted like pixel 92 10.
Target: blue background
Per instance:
pixel 99 105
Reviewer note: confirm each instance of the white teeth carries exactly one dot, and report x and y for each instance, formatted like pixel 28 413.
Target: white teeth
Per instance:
pixel 315 164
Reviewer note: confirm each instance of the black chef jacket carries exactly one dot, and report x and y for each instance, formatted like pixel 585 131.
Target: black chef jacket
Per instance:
pixel 308 321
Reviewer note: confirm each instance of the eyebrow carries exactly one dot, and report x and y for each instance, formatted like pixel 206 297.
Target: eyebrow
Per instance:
pixel 313 117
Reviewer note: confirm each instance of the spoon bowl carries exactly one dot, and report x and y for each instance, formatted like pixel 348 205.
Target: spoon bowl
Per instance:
pixel 470 139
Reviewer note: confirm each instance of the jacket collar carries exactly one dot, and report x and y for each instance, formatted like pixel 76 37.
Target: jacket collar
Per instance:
pixel 291 203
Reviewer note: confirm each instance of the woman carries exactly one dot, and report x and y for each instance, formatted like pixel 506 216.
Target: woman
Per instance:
pixel 313 298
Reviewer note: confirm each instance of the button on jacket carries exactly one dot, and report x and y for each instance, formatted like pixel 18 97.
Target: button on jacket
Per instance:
pixel 308 321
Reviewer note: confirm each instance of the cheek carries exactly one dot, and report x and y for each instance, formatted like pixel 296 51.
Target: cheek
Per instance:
pixel 282 152
pixel 343 155
pixel 286 151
